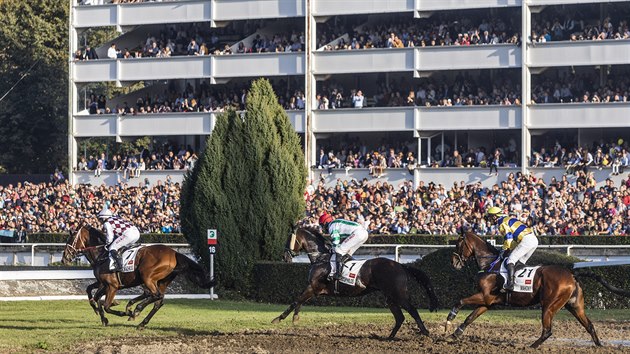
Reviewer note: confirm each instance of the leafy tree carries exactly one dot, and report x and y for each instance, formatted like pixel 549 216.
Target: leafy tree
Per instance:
pixel 33 116
pixel 248 185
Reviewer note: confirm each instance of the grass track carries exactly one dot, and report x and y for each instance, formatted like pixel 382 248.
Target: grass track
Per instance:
pixel 29 326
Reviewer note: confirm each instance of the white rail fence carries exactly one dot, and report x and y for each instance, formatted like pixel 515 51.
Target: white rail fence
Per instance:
pixel 393 251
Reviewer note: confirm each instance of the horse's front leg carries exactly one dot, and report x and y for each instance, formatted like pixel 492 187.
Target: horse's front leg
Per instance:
pixel 477 299
pixel 88 290
pixel 484 301
pixel 306 294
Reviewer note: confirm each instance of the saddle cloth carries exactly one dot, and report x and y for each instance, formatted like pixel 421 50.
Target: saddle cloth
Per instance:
pixel 129 258
pixel 523 278
pixel 349 271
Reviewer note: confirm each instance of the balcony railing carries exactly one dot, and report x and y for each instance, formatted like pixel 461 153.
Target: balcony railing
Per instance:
pixel 184 11
pixel 157 124
pixel 189 67
pixel 417 59
pixel 417 118
pixel 331 8
pixel 579 115
pixel 567 53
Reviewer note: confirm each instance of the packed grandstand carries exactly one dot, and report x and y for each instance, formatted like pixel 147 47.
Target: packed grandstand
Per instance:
pixel 412 117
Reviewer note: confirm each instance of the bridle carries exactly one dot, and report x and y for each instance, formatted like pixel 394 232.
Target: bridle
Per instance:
pixel 289 249
pixel 75 249
pixel 459 255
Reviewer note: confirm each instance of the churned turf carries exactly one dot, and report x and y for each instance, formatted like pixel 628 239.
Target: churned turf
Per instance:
pixel 57 326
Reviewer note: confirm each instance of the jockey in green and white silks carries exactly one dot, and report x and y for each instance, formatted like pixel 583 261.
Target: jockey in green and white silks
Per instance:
pixel 347 236
pixel 516 233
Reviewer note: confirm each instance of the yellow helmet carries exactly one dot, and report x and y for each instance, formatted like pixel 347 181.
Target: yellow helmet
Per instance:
pixel 495 211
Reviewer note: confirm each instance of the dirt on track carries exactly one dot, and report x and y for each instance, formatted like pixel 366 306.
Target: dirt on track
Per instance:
pixel 568 337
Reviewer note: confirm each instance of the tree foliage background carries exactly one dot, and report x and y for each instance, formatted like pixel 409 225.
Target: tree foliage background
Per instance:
pixel 248 185
pixel 33 117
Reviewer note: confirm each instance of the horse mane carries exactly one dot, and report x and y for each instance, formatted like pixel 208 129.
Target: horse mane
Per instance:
pixel 315 232
pixel 490 247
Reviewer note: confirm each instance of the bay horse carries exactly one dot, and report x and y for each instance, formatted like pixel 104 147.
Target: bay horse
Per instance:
pixel 554 287
pixel 387 276
pixel 156 266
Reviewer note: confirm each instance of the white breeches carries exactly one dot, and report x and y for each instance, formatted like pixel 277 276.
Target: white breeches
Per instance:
pixel 524 249
pixel 353 242
pixel 128 237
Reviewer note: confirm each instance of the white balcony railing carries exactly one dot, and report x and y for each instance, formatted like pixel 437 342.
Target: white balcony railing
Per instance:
pixel 184 11
pixel 418 59
pixel 567 53
pixel 189 67
pixel 158 124
pixel 579 115
pixel 417 118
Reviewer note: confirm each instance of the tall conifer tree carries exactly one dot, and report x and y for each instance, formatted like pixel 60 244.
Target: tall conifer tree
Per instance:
pixel 248 185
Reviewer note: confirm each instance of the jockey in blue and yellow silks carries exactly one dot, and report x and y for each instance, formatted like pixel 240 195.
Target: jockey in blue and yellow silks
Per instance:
pixel 516 233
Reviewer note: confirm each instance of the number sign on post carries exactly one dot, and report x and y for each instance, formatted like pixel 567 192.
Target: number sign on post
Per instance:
pixel 212 248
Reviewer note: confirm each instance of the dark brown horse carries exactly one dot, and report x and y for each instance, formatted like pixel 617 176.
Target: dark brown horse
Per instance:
pixel 390 277
pixel 554 287
pixel 156 267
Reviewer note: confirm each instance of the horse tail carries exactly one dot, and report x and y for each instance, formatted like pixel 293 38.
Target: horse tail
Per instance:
pixel 604 283
pixel 193 272
pixel 424 280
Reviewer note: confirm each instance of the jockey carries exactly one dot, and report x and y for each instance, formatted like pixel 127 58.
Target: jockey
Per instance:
pixel 347 237
pixel 513 230
pixel 120 233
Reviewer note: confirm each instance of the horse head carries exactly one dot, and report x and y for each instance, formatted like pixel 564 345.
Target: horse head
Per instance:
pixel 463 251
pixel 85 238
pixel 470 245
pixel 307 240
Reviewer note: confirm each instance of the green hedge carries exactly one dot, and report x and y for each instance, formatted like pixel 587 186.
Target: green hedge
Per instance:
pixel 282 283
pixel 378 239
pixel 144 238
pixel 276 282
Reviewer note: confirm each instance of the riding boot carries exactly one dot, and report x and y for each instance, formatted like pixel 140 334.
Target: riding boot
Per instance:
pixel 509 285
pixel 339 259
pixel 117 261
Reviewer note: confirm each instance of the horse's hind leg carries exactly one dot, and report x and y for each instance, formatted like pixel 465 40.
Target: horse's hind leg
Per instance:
pixel 548 312
pixel 398 317
pixel 158 301
pixel 576 307
pixel 416 316
pixel 473 316
pixel 132 315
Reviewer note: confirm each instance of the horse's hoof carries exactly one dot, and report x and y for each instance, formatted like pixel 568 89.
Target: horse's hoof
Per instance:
pixel 140 327
pixel 447 327
pixel 276 320
pixel 131 318
pixel 105 322
pixel 296 319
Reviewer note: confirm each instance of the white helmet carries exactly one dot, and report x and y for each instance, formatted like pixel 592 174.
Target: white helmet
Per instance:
pixel 105 214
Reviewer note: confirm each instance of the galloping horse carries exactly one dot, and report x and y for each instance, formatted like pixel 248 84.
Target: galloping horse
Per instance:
pixel 156 267
pixel 553 288
pixel 376 274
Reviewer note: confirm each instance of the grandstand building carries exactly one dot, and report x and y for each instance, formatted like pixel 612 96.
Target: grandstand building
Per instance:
pixel 430 132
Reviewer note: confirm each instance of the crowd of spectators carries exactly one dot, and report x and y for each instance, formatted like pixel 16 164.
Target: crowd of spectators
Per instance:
pixel 132 165
pixel 464 89
pixel 555 207
pixel 566 87
pixel 566 206
pixel 61 207
pixel 355 154
pixel 202 98
pixel 577 23
pixel 435 31
pixel 612 154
